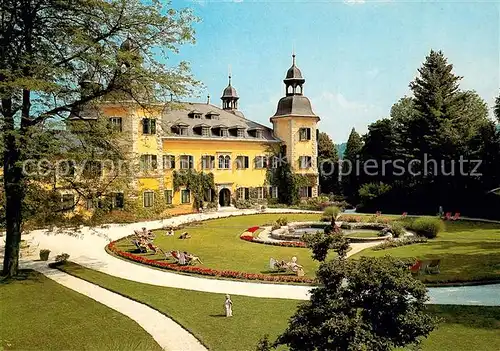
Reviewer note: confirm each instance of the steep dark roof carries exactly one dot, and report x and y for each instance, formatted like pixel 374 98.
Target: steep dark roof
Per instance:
pixel 294 73
pixel 294 105
pixel 229 92
pixel 173 115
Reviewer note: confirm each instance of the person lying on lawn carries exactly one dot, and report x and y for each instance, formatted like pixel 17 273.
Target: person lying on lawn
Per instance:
pixel 192 258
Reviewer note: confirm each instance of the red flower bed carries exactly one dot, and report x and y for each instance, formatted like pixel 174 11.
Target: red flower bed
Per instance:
pixel 204 271
pixel 252 229
pixel 250 238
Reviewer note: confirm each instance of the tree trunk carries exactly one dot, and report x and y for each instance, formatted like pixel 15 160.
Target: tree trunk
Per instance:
pixel 14 192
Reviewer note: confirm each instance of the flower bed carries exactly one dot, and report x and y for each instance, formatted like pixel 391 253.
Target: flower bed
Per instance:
pixel 203 270
pixel 250 238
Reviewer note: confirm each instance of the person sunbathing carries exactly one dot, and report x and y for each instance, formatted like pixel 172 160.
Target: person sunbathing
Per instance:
pixel 184 235
pixel 192 258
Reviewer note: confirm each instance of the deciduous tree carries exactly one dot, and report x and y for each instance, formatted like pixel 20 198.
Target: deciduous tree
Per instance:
pixel 365 304
pixel 58 57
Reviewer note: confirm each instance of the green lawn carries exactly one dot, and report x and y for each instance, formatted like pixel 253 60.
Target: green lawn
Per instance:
pixel 363 234
pixel 203 313
pixel 462 327
pixel 468 251
pixel 217 242
pixel 36 313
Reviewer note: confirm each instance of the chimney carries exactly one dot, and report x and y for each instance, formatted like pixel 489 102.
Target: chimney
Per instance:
pixel 208 99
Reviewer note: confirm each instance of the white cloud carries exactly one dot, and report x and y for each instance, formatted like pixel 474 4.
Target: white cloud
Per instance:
pixel 354 2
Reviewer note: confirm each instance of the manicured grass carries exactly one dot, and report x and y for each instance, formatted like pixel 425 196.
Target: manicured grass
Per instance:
pixel 468 251
pixel 36 313
pixel 463 327
pixel 203 313
pixel 363 234
pixel 217 242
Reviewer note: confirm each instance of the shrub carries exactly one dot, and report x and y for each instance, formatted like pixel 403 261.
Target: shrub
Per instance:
pixel 427 226
pixel 350 219
pixel 243 204
pixel 397 229
pixel 388 244
pixel 62 257
pixel 282 221
pixel 59 260
pixel 330 212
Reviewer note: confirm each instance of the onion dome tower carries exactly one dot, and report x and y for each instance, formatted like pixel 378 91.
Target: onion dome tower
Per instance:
pixel 294 103
pixel 229 98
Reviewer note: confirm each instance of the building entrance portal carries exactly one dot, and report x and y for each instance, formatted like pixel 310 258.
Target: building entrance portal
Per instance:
pixel 225 197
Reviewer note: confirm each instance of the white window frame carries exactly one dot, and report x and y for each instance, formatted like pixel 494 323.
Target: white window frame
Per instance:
pixel 183 191
pixel 190 162
pixel 116 123
pixel 168 162
pixel 260 192
pixel 170 198
pixel 152 204
pixel 305 134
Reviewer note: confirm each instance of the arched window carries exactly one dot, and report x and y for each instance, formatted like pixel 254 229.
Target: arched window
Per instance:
pixel 221 161
pixel 227 162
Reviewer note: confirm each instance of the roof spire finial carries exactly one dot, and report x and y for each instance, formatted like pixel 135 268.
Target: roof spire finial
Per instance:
pixel 293 54
pixel 229 73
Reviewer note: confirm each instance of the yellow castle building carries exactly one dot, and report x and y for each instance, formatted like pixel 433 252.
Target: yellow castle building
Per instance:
pixel 181 136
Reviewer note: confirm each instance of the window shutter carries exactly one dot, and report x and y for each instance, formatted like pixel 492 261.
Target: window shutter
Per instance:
pixel 145 126
pixel 246 161
pixel 308 133
pixel 153 126
pixel 247 193
pixel 191 162
pixel 153 161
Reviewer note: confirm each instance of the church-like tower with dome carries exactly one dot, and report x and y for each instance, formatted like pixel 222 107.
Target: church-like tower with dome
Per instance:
pixel 176 136
pixel 295 124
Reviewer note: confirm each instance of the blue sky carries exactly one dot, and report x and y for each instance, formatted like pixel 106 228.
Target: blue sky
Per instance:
pixel 357 57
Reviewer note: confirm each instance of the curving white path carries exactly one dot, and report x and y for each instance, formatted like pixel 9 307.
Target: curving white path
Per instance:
pixel 86 247
pixel 167 333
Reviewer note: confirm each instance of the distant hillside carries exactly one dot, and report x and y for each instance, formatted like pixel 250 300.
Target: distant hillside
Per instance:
pixel 341 149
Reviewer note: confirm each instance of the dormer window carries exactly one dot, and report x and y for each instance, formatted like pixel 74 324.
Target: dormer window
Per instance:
pixel 195 114
pixel 224 132
pixel 237 131
pixel 180 129
pixel 212 115
pixel 202 129
pixel 256 133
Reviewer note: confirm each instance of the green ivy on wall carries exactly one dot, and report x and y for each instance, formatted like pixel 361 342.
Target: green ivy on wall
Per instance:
pixel 198 183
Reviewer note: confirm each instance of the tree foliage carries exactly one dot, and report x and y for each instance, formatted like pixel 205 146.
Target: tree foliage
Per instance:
pixel 328 164
pixel 350 178
pixel 431 132
pixel 365 304
pixel 58 58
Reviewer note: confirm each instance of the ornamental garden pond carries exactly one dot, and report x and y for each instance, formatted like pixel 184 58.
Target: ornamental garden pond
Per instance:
pixel 271 247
